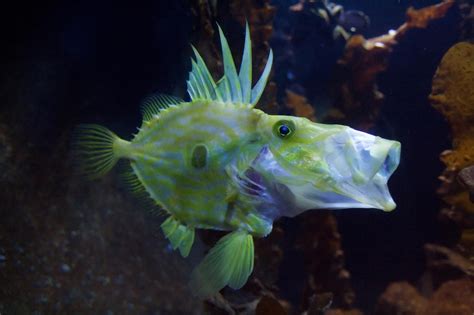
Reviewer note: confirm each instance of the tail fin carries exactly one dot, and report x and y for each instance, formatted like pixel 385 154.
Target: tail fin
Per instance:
pixel 96 150
pixel 229 262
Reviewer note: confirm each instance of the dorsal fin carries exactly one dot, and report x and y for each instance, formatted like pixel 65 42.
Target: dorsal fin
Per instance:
pixel 232 87
pixel 153 104
pixel 229 69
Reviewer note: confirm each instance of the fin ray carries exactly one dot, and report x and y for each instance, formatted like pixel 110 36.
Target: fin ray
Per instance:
pixel 133 184
pixel 206 76
pixel 153 104
pixel 262 82
pixel 232 87
pixel 229 262
pixel 96 149
pixel 229 69
pixel 245 72
pixel 180 236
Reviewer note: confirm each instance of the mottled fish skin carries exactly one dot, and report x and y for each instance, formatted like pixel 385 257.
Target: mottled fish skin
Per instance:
pixel 218 163
pixel 203 197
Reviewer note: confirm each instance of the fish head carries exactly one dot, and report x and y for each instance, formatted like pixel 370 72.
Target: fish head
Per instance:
pixel 311 165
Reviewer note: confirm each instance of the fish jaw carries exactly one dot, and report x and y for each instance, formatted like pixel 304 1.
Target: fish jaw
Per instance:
pixel 360 166
pixel 345 169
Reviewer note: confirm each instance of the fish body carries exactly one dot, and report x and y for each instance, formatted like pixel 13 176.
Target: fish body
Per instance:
pixel 197 190
pixel 216 162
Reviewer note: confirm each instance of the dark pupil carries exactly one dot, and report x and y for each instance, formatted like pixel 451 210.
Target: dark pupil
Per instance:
pixel 284 130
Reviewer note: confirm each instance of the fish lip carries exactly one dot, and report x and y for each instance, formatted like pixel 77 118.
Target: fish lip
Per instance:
pixel 367 187
pixel 391 161
pixel 382 198
pixel 384 166
pixel 370 192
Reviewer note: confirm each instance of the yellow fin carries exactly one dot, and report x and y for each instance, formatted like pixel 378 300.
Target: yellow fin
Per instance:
pixel 179 235
pixel 153 104
pixel 229 262
pixel 96 149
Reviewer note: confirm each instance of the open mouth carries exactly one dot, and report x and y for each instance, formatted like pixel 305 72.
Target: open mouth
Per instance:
pixel 355 176
pixel 358 168
pixel 391 161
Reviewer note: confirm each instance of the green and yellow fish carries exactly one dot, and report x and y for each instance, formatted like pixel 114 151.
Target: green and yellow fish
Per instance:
pixel 216 162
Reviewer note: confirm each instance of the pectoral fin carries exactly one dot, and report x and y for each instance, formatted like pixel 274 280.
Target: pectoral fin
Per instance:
pixel 229 262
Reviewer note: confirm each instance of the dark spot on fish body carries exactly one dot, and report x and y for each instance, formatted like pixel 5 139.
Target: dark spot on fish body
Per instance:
pixel 199 156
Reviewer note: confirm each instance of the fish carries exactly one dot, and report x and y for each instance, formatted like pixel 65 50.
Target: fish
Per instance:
pixel 217 162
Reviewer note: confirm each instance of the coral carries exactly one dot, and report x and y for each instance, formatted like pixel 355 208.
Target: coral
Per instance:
pixel 300 106
pixel 269 257
pixel 269 305
pixel 452 95
pixel 453 297
pixel 231 303
pixel 421 18
pixel 260 15
pixel 444 264
pixel 268 102
pixel 324 260
pixel 203 34
pixel 357 96
pixel 466 177
pixel 401 298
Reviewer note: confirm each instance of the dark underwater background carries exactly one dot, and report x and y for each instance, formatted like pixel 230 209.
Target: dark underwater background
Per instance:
pixel 69 246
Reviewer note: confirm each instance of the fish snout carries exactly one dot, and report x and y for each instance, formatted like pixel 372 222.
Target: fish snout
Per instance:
pixel 360 158
pixel 385 155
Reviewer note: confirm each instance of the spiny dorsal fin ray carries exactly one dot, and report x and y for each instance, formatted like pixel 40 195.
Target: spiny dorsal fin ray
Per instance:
pixel 153 104
pixel 224 88
pixel 245 73
pixel 205 76
pixel 229 69
pixel 232 87
pixel 257 90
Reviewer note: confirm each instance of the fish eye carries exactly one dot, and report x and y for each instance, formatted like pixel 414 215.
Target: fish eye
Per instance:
pixel 284 128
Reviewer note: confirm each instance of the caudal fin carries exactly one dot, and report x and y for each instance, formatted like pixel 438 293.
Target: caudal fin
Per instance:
pixel 96 150
pixel 229 262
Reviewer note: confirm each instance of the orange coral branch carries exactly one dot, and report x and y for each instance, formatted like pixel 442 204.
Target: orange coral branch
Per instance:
pixel 364 59
pixel 300 106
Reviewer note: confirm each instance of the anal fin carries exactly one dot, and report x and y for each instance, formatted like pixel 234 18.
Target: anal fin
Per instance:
pixel 229 262
pixel 180 236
